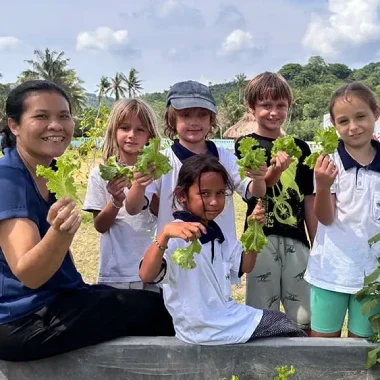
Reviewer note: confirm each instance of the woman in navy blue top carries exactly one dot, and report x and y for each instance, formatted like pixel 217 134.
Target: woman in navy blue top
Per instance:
pixel 45 307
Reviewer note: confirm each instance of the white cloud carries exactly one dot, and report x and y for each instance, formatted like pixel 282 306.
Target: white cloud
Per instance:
pixel 350 23
pixel 204 80
pixel 103 38
pixel 8 42
pixel 172 52
pixel 236 42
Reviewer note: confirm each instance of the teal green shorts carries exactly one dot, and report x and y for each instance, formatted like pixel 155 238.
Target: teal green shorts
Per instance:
pixel 328 310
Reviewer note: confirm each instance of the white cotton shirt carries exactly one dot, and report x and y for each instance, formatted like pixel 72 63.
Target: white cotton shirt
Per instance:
pixel 199 300
pixel 341 256
pixel 165 186
pixel 124 244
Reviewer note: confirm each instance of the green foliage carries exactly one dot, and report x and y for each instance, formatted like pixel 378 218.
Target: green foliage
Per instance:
pixel 371 290
pixel 61 181
pixel 250 158
pixel 113 169
pixel 288 145
pixel 253 239
pixel 328 142
pixel 149 155
pixel 283 372
pixel 184 257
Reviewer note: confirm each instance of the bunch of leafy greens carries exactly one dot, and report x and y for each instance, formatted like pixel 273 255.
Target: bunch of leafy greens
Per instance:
pixel 371 292
pixel 282 210
pixel 112 169
pixel 327 139
pixel 184 257
pixel 253 239
pixel 150 155
pixel 283 372
pixel 250 158
pixel 61 181
pixel 288 145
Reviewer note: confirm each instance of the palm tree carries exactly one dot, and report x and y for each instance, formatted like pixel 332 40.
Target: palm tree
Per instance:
pixel 240 80
pixel 117 89
pixel 52 66
pixel 104 87
pixel 133 83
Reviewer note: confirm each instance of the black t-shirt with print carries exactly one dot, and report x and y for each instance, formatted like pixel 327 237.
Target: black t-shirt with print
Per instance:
pixel 304 180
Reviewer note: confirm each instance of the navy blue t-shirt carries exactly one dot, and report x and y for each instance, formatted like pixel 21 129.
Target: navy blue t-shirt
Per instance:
pixel 20 198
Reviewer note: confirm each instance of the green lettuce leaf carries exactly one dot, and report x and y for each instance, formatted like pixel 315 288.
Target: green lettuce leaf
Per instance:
pixel 61 181
pixel 288 145
pixel 250 158
pixel 327 140
pixel 184 257
pixel 150 154
pixel 374 239
pixel 253 239
pixel 288 179
pixel 112 169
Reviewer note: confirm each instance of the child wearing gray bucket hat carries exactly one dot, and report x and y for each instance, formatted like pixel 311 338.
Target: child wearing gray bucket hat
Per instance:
pixel 190 94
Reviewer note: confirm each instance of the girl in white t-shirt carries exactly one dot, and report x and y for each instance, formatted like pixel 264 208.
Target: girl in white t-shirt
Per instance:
pixel 347 205
pixel 199 299
pixel 124 238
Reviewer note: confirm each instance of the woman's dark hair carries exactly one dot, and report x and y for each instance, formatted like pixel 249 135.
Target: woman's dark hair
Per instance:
pixel 14 106
pixel 191 171
pixel 347 91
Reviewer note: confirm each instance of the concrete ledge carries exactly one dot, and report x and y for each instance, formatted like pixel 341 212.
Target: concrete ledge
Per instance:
pixel 168 358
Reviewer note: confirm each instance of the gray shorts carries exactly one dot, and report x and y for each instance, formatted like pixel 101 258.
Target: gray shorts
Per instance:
pixel 278 277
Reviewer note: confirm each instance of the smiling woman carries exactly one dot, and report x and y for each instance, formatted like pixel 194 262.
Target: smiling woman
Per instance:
pixel 46 308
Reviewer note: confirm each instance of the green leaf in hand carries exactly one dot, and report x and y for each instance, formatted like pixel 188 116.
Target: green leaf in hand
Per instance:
pixel 112 169
pixel 253 239
pixel 288 179
pixel 251 157
pixel 61 181
pixel 288 145
pixel 184 257
pixel 150 155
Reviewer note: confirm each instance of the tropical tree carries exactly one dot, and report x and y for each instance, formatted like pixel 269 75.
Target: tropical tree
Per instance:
pixel 52 66
pixel 104 87
pixel 133 83
pixel 240 80
pixel 117 89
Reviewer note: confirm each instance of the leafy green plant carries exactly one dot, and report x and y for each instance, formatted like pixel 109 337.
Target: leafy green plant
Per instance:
pixel 371 289
pixel 184 257
pixel 61 182
pixel 150 155
pixel 288 145
pixel 112 169
pixel 327 139
pixel 253 239
pixel 283 372
pixel 251 157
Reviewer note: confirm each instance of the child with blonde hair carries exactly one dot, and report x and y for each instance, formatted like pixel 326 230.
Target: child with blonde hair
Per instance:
pixel 124 237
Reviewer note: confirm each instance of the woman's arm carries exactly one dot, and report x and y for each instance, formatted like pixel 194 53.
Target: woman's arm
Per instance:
pixel 34 260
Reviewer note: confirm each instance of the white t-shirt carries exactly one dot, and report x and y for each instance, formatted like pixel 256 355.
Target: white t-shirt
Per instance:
pixel 199 300
pixel 341 256
pixel 124 244
pixel 165 186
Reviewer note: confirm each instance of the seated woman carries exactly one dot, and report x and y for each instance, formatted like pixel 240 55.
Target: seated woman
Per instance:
pixel 45 307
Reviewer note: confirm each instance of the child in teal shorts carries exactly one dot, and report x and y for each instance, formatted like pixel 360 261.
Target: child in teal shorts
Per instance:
pixel 347 206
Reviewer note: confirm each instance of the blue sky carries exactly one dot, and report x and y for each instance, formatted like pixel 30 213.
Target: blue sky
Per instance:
pixel 172 40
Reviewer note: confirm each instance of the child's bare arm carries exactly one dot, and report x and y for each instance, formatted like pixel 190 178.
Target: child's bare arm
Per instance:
pixel 151 264
pixel 324 203
pixel 257 187
pixel 135 199
pixel 279 164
